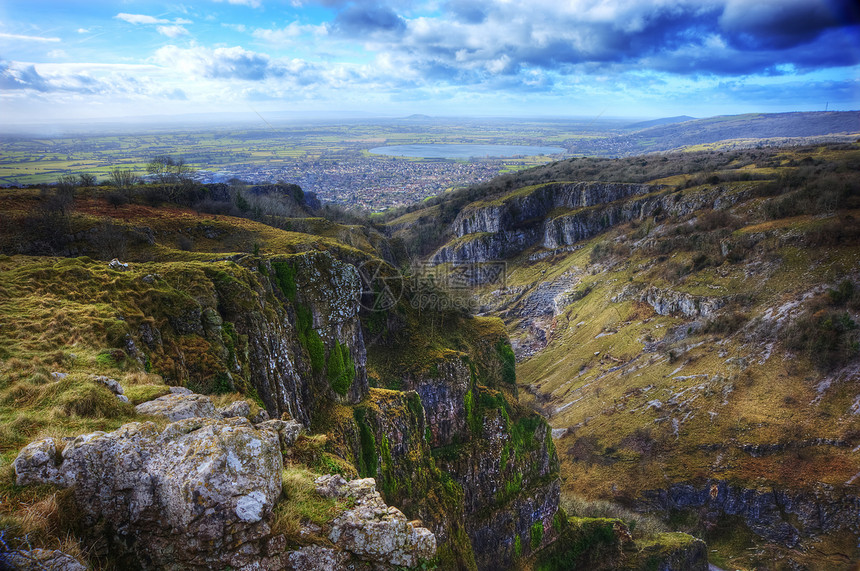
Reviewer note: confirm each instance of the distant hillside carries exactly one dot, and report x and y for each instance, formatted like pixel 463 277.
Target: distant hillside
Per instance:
pixel 658 122
pixel 745 131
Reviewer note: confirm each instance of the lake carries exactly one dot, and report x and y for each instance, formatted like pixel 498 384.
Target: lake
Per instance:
pixel 464 151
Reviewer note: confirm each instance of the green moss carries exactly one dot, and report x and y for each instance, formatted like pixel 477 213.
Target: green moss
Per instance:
pixel 536 535
pixel 285 277
pixel 221 384
pixel 522 434
pixel 389 481
pixel 367 459
pixel 230 340
pixel 518 546
pixel 413 402
pixel 559 520
pixel 105 359
pixel 513 486
pixel 341 368
pixel 316 350
pixel 473 418
pixel 509 362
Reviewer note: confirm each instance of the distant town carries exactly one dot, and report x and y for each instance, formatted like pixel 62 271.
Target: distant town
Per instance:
pixel 371 184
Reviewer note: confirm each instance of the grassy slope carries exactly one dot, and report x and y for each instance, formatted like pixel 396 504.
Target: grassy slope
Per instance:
pixel 641 414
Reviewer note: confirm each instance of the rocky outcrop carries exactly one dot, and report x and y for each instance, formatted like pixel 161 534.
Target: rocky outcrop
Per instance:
pixel 539 201
pixel 669 302
pixel 558 215
pixel 500 456
pixel 39 560
pixel 175 407
pixel 509 474
pixel 494 231
pixel 198 495
pixel 193 495
pixel 372 530
pixel 781 516
pixel 269 328
pixel 238 408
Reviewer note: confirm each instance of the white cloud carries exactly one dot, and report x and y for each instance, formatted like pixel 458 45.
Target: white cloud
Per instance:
pixel 140 19
pixel 57 54
pixel 172 31
pixel 218 63
pixel 289 33
pixel 27 38
pixel 144 19
pixel 251 3
pixel 83 31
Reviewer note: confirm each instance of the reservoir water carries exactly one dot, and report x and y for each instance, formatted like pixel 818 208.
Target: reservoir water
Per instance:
pixel 438 151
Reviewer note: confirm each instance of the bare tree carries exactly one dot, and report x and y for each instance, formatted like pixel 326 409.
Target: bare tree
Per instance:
pixel 172 174
pixel 64 197
pixel 122 178
pixel 87 179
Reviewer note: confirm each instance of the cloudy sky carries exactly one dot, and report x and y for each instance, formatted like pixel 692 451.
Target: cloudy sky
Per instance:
pixel 81 59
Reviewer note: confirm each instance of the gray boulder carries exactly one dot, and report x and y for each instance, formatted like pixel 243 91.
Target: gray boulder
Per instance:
pixel 373 530
pixel 288 430
pixel 192 496
pixel 238 408
pixel 37 463
pixel 40 560
pixel 112 384
pixel 179 407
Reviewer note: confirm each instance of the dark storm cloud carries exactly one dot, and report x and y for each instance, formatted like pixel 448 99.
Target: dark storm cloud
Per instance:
pixel 720 37
pixel 359 20
pixel 782 24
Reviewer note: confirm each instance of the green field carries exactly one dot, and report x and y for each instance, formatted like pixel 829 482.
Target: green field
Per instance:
pixel 39 160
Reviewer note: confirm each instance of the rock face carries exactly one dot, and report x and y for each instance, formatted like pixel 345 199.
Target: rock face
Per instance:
pixel 779 516
pixel 443 396
pixel 668 302
pixel 493 231
pixel 509 475
pixel 192 496
pixel 269 328
pixel 500 456
pixel 558 215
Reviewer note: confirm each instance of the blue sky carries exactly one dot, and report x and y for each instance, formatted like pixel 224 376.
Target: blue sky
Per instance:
pixel 81 60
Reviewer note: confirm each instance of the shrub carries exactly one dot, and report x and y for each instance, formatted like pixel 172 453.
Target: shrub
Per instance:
pixel 828 338
pixel 842 294
pixel 726 323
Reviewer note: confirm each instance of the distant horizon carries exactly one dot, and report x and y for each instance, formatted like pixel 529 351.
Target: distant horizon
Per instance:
pixel 71 60
pixel 255 120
